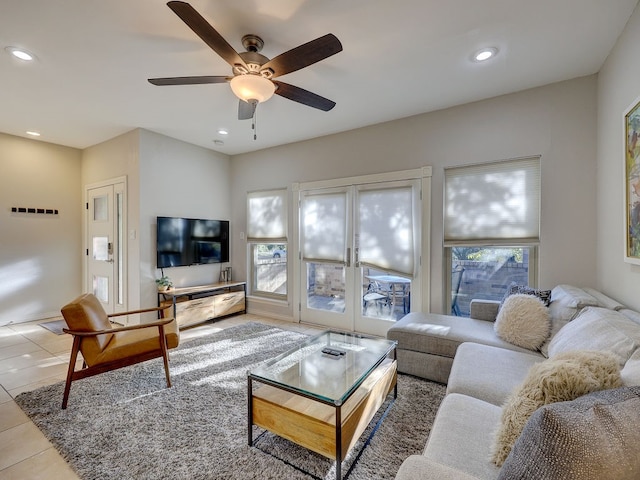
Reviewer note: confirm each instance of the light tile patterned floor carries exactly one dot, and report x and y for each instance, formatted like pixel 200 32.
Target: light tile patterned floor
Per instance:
pixel 30 357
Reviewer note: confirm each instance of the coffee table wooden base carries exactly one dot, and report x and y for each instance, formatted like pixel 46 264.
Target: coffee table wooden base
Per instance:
pixel 324 428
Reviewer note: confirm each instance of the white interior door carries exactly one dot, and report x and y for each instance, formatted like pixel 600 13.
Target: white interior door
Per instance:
pixel 360 254
pixel 106 245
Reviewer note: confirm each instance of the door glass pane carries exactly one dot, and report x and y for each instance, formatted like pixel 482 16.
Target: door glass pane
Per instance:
pixel 101 288
pixel 101 248
pixel 326 286
pixel 270 268
pixel 101 208
pixel 485 273
pixel 385 296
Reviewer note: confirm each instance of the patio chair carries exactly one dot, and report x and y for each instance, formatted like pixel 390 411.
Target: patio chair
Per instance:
pixel 105 347
pixel 376 294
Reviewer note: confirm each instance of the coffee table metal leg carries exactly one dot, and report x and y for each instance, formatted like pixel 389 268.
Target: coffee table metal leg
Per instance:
pixel 250 410
pixel 338 443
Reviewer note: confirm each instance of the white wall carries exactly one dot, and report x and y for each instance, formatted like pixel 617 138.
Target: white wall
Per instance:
pixel 119 157
pixel 40 255
pixel 618 89
pixel 556 121
pixel 178 179
pixel 165 177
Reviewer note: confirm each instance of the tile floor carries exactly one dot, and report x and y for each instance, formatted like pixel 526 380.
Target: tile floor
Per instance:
pixel 30 357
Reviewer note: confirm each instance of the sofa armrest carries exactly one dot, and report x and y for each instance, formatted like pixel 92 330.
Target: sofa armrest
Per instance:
pixel 484 309
pixel 417 467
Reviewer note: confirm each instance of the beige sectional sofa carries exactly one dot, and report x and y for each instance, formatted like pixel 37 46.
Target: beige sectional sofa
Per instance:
pixel 483 371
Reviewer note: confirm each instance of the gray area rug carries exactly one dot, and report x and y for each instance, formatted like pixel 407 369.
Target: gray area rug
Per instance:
pixel 127 425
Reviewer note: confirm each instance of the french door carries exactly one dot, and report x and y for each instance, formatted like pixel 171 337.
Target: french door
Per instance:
pixel 360 247
pixel 106 245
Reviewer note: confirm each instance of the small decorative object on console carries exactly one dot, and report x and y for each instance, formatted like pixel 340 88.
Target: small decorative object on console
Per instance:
pixel 164 283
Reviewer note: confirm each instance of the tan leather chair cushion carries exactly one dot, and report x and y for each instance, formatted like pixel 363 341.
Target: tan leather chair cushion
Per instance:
pixel 85 314
pixel 135 342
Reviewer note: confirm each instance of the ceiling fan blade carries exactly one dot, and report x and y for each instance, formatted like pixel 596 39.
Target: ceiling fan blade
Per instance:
pixel 246 109
pixel 303 96
pixel 304 55
pixel 189 80
pixel 206 32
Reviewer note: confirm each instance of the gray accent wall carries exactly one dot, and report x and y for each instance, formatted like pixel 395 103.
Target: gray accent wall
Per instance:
pixel 557 121
pixel 40 254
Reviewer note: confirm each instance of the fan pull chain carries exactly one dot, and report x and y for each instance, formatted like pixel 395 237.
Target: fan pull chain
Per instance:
pixel 254 123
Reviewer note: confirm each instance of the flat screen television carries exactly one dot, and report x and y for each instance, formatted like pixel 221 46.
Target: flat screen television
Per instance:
pixel 189 241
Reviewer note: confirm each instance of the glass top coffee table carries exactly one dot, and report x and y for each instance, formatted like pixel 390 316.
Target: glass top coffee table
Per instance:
pixel 323 393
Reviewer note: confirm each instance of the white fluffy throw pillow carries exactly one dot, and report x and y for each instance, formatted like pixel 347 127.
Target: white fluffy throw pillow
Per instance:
pixel 524 321
pixel 565 377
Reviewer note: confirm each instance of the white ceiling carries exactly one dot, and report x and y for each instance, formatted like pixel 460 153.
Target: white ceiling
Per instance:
pixel 400 58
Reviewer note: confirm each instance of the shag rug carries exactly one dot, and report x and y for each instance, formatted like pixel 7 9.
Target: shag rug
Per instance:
pixel 127 425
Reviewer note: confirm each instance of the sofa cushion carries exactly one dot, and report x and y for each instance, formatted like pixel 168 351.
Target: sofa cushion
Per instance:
pixel 598 328
pixel 417 467
pixel 594 436
pixel 442 334
pixel 476 369
pixel 524 321
pixel 603 300
pixel 461 435
pixel 631 314
pixel 564 377
pixel 630 373
pixel 566 302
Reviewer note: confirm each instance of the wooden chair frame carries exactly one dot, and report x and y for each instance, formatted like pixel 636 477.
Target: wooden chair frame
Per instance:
pixel 86 371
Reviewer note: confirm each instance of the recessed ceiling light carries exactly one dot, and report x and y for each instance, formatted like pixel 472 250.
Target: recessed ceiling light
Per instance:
pixel 485 54
pixel 33 134
pixel 223 131
pixel 20 53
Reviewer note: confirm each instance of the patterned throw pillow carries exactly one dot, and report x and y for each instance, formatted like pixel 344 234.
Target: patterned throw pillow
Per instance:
pixel 544 295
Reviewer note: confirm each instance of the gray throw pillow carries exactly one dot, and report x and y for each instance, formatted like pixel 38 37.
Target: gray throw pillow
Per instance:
pixel 593 437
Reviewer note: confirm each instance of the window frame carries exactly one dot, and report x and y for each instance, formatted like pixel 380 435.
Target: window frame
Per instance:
pixel 280 237
pixel 476 180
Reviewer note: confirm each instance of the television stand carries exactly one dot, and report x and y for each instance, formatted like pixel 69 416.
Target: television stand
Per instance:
pixel 194 305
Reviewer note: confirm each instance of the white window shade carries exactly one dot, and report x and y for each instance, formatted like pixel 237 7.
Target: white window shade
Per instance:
pixel 495 203
pixel 324 227
pixel 385 229
pixel 267 216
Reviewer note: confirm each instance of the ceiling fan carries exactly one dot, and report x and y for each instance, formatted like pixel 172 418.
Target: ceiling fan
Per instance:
pixel 253 73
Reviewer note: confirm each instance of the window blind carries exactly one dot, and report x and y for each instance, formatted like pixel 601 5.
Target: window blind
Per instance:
pixel 385 229
pixel 267 216
pixel 494 203
pixel 324 227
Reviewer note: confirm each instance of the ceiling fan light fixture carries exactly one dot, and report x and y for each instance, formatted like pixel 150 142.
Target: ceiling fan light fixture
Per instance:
pixel 252 87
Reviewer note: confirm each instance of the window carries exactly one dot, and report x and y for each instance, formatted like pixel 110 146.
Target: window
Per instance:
pixel 491 230
pixel 267 242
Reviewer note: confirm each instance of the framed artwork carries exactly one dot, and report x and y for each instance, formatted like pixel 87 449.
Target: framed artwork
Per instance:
pixel 632 184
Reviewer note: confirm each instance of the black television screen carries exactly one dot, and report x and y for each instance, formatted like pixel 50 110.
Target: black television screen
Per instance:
pixel 190 241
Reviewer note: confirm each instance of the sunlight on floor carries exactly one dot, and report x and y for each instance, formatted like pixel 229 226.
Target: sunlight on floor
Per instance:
pixel 32 356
